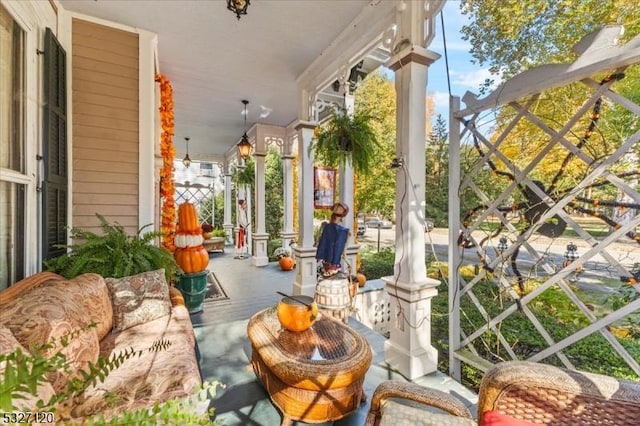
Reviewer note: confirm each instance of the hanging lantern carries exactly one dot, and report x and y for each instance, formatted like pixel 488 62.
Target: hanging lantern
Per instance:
pixel 244 146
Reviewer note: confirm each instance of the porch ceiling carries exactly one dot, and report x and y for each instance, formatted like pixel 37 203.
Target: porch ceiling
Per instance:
pixel 214 60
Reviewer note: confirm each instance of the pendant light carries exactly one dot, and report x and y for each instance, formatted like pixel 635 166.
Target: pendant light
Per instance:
pixel 186 160
pixel 244 146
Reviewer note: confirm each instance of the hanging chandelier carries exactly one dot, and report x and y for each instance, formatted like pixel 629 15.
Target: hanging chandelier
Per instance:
pixel 186 160
pixel 244 146
pixel 239 7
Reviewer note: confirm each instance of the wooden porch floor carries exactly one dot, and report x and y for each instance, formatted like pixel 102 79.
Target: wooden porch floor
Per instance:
pixel 225 350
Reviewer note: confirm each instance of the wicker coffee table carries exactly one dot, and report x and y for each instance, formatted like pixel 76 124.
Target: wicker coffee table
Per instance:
pixel 312 376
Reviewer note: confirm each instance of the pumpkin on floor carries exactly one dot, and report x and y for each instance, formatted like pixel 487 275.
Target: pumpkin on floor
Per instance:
pixel 286 263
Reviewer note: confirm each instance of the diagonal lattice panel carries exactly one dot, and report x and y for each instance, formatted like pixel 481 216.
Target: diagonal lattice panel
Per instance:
pixel 549 254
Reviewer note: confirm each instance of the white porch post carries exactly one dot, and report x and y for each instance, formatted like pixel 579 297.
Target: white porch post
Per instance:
pixel 305 252
pixel 409 348
pixel 287 233
pixel 347 190
pixel 260 237
pixel 228 226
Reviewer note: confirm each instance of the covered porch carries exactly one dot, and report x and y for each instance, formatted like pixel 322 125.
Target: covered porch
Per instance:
pixel 115 168
pixel 221 331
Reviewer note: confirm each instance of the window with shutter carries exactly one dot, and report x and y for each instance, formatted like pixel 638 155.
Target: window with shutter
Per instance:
pixel 13 179
pixel 54 188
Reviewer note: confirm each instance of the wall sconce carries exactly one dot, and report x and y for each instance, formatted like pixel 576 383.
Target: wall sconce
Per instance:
pixel 186 160
pixel 244 146
pixel 239 7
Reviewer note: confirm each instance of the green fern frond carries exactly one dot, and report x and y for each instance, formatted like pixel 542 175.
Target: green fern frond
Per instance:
pixel 113 254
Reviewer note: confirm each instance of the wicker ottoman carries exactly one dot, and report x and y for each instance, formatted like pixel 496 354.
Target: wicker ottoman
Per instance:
pixel 312 376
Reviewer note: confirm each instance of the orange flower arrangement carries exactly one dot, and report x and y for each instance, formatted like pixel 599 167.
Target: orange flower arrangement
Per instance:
pixel 168 152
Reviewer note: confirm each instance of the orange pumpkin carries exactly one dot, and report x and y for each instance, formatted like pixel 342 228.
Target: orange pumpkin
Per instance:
pixel 286 263
pixel 296 316
pixel 192 259
pixel 188 219
pixel 361 278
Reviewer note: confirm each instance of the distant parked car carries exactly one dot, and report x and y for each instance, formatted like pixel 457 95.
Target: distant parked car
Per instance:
pixel 378 223
pixel 362 227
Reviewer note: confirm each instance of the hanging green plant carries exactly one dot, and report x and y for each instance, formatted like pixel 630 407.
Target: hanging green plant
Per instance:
pixel 346 139
pixel 246 174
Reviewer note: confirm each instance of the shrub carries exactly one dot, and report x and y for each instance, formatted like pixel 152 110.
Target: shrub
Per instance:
pixel 377 264
pixel 272 245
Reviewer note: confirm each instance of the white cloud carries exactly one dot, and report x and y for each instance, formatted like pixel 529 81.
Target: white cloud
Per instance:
pixel 440 100
pixel 472 80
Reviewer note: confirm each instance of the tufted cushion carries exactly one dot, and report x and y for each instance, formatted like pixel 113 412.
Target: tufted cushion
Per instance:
pixel 138 299
pixel 48 313
pixel 8 343
pixel 399 414
pixel 93 294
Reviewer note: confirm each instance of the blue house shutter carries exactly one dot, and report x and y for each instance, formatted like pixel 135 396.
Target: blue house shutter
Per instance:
pixel 55 182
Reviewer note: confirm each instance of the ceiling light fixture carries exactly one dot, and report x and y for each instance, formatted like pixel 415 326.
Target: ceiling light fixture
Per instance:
pixel 244 146
pixel 239 7
pixel 186 160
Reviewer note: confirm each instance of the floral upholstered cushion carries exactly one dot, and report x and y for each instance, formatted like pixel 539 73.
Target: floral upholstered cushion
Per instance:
pixel 93 294
pixel 170 371
pixel 8 343
pixel 48 314
pixel 139 298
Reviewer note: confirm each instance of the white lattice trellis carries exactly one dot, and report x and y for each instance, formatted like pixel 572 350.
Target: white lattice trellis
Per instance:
pixel 550 211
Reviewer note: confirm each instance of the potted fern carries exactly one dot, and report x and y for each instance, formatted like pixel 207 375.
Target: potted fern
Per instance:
pixel 113 254
pixel 346 139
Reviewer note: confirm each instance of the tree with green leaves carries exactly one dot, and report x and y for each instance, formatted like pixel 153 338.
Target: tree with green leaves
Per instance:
pixel 375 192
pixel 514 36
pixel 273 182
pixel 437 172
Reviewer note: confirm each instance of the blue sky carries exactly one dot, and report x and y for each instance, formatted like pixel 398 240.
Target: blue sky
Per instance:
pixel 465 76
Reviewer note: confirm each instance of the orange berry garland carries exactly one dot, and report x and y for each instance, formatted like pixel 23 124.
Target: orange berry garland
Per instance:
pixel 168 152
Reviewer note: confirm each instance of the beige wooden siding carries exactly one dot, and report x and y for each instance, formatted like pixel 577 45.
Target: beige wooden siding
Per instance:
pixel 105 125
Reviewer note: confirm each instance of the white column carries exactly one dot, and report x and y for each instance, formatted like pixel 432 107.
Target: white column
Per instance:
pixel 305 252
pixel 409 348
pixel 228 226
pixel 287 233
pixel 455 366
pixel 260 237
pixel 347 190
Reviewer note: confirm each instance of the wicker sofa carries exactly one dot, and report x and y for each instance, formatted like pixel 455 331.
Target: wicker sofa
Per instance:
pixel 133 312
pixel 515 393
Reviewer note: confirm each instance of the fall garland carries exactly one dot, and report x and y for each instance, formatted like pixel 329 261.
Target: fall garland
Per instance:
pixel 168 152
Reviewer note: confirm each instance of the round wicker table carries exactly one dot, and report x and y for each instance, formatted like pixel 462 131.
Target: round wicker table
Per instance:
pixel 312 376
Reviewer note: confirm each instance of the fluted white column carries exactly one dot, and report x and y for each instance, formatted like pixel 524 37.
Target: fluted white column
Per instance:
pixel 305 252
pixel 287 233
pixel 409 348
pixel 260 237
pixel 228 225
pixel 347 189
